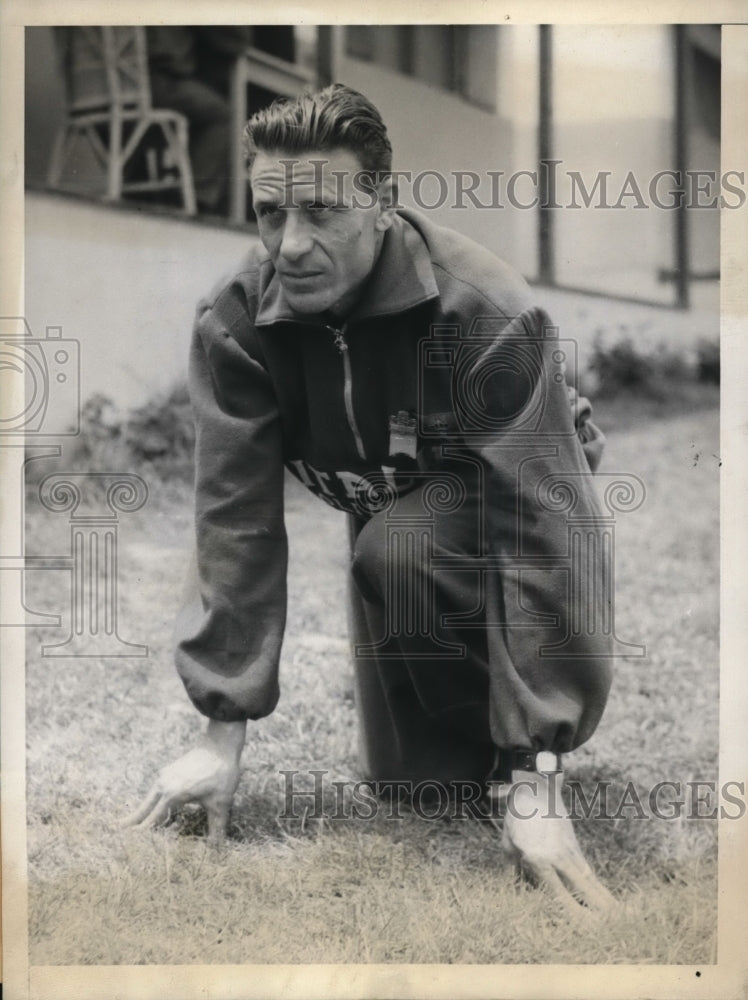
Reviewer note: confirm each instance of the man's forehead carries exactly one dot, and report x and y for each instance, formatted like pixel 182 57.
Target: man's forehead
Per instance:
pixel 277 170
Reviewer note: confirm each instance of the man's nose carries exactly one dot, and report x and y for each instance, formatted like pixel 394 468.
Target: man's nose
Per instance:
pixel 297 237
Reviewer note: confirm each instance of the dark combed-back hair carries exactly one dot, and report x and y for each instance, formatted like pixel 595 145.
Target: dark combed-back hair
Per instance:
pixel 334 118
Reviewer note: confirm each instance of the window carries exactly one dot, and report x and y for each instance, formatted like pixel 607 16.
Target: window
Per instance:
pixel 459 58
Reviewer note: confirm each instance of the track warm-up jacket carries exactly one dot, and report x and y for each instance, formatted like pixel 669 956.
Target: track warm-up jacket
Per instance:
pixel 444 350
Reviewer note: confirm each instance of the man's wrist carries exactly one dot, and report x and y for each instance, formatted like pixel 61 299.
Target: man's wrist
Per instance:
pixel 228 737
pixel 535 761
pixel 518 765
pixel 536 779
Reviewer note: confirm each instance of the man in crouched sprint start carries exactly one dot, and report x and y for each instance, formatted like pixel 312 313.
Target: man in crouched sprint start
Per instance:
pixel 405 376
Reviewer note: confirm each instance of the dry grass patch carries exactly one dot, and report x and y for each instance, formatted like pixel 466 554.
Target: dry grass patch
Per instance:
pixel 382 890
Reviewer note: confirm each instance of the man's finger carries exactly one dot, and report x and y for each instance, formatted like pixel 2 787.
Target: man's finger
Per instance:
pixel 144 808
pixel 586 885
pixel 159 814
pixel 544 874
pixel 510 851
pixel 218 819
pixel 578 872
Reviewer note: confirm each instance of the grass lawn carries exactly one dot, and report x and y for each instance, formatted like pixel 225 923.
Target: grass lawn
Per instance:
pixel 382 890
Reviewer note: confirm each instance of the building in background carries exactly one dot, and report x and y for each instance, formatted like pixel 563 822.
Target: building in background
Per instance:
pixel 618 103
pixel 466 101
pixel 610 105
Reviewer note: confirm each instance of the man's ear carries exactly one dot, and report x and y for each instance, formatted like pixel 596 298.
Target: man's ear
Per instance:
pixel 386 199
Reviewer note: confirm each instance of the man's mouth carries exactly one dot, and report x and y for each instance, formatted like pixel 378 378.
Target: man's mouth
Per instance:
pixel 299 275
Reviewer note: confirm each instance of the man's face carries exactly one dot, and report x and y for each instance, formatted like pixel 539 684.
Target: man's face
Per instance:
pixel 322 232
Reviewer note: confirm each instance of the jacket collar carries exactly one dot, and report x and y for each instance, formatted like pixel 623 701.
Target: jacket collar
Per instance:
pixel 402 278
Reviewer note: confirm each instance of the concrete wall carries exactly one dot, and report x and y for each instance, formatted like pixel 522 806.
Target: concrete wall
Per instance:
pixel 613 104
pixel 125 285
pixel 607 248
pixel 614 101
pixel 432 129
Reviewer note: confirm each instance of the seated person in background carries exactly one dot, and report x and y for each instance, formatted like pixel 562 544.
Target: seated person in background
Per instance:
pixel 190 71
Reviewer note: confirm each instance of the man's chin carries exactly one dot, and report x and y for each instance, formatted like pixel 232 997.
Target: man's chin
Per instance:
pixel 309 303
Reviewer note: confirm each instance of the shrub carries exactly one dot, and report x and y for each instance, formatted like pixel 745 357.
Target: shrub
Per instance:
pixel 158 438
pixel 100 436
pixel 707 361
pixel 618 367
pixel 623 367
pixel 162 430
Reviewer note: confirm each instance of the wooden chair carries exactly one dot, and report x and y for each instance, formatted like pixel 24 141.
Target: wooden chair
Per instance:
pixel 109 105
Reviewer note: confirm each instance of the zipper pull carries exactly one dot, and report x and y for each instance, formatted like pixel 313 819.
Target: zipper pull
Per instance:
pixel 340 339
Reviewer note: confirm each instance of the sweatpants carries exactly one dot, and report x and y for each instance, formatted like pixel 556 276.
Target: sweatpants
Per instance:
pixel 454 661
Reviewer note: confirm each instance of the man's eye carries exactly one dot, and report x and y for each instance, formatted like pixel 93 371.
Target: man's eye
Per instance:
pixel 268 212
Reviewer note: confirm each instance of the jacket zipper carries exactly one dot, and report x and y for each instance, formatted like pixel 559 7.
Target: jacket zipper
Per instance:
pixel 342 346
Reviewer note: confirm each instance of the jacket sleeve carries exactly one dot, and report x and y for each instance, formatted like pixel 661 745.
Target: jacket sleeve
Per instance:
pixel 549 646
pixel 230 630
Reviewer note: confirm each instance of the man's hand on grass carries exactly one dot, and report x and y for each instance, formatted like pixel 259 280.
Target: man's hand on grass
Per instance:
pixel 539 835
pixel 208 774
